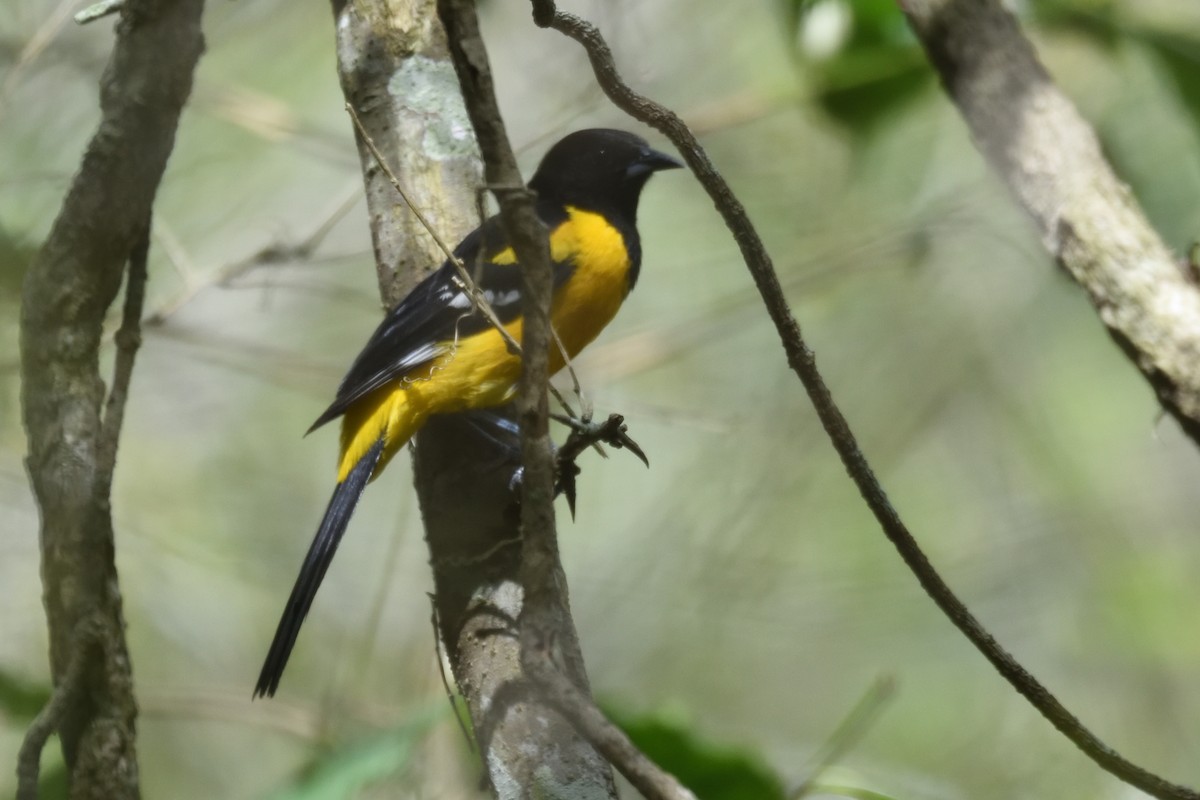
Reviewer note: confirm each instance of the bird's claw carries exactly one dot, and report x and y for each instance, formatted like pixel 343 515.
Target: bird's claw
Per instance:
pixel 565 485
pixel 585 432
pixel 612 431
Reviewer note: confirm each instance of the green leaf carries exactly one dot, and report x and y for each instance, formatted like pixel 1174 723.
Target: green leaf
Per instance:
pixel 344 771
pixel 711 771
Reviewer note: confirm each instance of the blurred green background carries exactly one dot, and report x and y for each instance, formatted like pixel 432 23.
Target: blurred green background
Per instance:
pixel 737 596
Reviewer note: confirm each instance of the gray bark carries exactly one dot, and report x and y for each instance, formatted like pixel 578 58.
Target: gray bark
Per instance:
pixel 1050 159
pixel 395 69
pixel 72 282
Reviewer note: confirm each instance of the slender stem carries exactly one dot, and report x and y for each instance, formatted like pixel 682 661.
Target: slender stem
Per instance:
pixel 545 615
pixel 803 362
pixel 128 339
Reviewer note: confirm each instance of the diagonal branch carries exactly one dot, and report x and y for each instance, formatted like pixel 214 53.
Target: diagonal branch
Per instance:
pixel 803 362
pixel 396 73
pixel 1089 221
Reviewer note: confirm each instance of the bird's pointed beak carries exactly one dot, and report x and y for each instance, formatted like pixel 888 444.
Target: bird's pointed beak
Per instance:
pixel 652 161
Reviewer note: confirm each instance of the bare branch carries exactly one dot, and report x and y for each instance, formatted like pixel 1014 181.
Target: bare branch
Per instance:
pixel 72 281
pixel 1089 221
pixel 803 362
pixel 545 623
pixel 395 72
pixel 276 252
pixel 540 571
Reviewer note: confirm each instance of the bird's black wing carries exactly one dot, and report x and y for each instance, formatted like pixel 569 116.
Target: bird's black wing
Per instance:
pixel 424 324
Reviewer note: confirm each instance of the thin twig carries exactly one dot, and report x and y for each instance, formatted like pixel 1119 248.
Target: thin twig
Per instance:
pixel 47 721
pixel 50 28
pixel 802 360
pixel 547 637
pixel 379 159
pixel 584 406
pixel 451 695
pixel 128 339
pixel 276 252
pixel 585 409
pixel 467 283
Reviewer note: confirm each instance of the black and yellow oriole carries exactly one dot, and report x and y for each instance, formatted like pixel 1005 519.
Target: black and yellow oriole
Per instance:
pixel 434 353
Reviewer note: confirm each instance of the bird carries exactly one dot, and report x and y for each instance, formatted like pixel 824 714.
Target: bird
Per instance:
pixel 435 353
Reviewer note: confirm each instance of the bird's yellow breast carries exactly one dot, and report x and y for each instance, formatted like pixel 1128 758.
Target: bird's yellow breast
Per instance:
pixel 479 371
pixel 581 307
pixel 589 299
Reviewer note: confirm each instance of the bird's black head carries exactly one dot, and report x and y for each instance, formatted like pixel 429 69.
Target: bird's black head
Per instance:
pixel 599 169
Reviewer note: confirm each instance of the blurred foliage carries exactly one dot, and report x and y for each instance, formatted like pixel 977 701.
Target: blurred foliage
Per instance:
pixel 345 770
pixel 865 63
pixel 740 579
pixel 1180 55
pixel 711 771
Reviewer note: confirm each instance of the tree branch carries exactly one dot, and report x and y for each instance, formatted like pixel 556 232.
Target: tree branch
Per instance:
pixel 396 74
pixel 545 619
pixel 803 362
pixel 73 280
pixel 1089 221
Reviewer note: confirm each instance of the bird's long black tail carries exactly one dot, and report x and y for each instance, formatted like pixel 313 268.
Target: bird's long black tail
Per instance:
pixel 320 553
